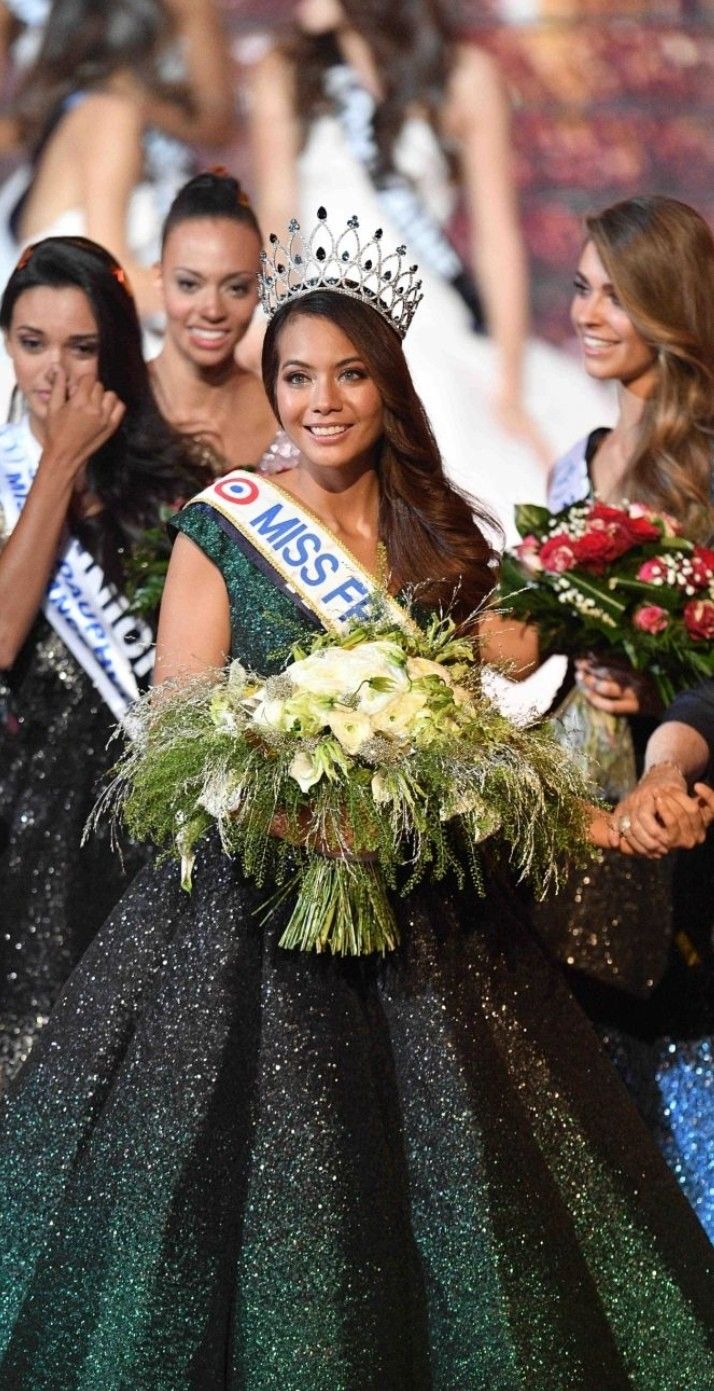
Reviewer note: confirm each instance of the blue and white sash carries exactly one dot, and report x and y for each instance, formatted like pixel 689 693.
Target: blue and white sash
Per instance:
pixel 115 647
pixel 314 568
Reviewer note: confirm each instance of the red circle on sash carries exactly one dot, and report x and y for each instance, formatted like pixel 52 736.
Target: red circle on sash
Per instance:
pixel 237 489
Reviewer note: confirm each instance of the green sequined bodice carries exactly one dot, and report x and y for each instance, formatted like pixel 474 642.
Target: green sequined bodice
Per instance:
pixel 264 621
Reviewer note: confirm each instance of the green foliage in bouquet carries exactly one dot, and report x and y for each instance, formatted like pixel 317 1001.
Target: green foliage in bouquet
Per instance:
pixel 146 566
pixel 372 760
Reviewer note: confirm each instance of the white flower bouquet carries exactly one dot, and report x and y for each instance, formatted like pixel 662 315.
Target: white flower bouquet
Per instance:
pixel 372 760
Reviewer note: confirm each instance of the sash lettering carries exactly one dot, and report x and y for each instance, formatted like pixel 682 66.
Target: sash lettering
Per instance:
pixel 114 647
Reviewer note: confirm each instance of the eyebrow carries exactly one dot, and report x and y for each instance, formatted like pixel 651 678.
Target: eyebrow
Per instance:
pixel 74 337
pixel 232 275
pixel 344 362
pixel 580 275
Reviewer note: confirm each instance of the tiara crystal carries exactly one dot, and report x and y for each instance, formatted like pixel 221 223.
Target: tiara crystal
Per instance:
pixel 343 262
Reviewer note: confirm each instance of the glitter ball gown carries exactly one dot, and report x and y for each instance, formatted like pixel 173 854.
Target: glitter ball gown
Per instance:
pixel 54 893
pixel 227 1167
pixel 642 934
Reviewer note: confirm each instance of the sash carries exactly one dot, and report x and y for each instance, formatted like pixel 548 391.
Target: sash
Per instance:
pixel 354 108
pixel 317 572
pixel 114 647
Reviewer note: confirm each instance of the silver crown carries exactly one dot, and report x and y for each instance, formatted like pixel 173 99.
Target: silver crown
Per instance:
pixel 343 263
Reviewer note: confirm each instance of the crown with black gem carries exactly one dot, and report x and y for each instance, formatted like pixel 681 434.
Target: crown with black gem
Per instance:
pixel 343 263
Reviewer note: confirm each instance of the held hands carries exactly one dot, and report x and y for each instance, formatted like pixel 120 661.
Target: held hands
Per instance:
pixel 614 690
pixel 659 815
pixel 80 419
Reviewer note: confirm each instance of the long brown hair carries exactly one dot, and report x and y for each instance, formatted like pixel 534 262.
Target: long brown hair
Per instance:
pixel 411 49
pixel 659 256
pixel 431 531
pixel 84 43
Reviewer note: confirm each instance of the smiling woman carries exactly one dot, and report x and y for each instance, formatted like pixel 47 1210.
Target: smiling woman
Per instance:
pixel 209 266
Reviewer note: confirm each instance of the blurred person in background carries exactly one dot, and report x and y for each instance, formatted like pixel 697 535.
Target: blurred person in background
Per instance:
pixel 85 472
pixel 380 112
pixel 106 111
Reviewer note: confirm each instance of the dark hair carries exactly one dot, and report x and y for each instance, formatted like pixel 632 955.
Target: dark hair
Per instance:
pixel 411 47
pixel 212 194
pixel 430 529
pixel 84 43
pixel 146 463
pixel 659 256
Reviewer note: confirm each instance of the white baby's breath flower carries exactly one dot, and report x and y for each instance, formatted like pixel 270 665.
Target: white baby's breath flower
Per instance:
pixel 237 677
pixel 221 795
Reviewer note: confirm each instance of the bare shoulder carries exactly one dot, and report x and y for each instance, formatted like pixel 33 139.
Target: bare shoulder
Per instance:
pixel 475 88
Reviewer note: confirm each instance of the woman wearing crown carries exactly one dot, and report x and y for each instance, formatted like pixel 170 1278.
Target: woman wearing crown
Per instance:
pixel 403 119
pixel 233 1166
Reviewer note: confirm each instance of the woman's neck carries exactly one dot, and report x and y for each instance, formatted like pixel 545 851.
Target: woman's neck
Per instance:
pixel 346 500
pixel 194 388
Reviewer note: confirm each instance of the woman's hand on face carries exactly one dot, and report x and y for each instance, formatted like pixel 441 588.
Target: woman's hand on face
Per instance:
pixel 79 421
pixel 659 815
pixel 616 691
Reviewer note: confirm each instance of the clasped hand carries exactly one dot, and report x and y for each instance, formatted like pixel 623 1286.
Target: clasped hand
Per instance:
pixel 614 690
pixel 659 814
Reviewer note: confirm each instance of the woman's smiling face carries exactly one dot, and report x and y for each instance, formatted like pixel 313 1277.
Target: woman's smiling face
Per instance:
pixel 613 348
pixel 327 401
pixel 208 275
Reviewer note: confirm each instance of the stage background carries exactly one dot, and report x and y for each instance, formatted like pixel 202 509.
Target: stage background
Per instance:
pixel 611 98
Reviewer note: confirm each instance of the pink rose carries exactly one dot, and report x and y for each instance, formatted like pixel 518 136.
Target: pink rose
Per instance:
pixel 528 553
pixel 557 553
pixel 699 618
pixel 653 571
pixel 650 618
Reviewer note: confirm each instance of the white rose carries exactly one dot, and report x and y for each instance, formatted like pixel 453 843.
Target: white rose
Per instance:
pixel 342 672
pixel 398 717
pixel 350 728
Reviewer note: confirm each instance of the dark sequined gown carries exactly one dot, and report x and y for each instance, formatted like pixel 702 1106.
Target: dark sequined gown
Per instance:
pixel 227 1167
pixel 54 894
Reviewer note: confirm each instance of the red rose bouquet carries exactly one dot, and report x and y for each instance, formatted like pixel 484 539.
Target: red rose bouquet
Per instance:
pixel 622 580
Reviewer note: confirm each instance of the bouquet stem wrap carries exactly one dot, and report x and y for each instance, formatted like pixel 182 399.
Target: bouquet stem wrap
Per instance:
pixel 373 760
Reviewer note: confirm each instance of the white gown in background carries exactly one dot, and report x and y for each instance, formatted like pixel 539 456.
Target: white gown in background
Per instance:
pixel 453 367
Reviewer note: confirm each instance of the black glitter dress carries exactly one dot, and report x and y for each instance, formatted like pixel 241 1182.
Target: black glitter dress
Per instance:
pixel 228 1167
pixel 54 894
